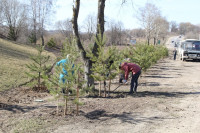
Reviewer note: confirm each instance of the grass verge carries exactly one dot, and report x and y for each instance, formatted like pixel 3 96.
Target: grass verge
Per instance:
pixel 13 58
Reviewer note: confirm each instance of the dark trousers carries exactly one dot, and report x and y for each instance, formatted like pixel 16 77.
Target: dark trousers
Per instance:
pixel 134 82
pixel 121 78
pixel 175 55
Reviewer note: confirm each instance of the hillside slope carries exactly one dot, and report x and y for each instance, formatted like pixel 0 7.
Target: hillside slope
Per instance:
pixel 13 58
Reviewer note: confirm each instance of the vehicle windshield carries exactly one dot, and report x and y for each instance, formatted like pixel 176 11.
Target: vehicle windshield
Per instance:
pixel 193 46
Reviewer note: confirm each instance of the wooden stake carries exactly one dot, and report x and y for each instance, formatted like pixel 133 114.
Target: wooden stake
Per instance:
pixel 104 90
pixel 57 104
pixel 65 96
pixel 99 88
pixel 109 87
pixel 77 95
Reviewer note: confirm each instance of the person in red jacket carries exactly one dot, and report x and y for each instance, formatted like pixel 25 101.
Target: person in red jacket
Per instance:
pixel 136 71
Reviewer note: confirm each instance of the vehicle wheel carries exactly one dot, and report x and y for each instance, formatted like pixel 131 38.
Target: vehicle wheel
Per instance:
pixel 181 57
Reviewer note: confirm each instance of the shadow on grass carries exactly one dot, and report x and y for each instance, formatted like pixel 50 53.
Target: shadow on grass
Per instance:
pixel 15 54
pixel 131 118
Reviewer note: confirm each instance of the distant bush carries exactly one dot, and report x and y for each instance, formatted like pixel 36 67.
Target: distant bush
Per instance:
pixel 51 43
pixel 32 38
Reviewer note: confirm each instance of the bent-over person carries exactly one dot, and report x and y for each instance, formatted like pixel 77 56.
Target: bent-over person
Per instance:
pixel 135 70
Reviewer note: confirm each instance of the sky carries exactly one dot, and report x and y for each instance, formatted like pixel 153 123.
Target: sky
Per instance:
pixel 173 10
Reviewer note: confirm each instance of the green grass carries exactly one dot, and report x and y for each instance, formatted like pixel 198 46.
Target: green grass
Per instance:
pixel 13 58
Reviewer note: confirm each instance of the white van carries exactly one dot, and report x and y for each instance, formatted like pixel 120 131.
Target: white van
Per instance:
pixel 189 49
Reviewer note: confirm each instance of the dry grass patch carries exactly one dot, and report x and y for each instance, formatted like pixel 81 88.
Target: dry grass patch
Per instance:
pixel 13 58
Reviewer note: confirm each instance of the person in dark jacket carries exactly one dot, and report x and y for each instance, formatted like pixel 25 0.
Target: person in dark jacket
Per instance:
pixel 136 71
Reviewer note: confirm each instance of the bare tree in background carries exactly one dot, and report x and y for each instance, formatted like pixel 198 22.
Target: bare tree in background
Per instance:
pixel 15 17
pixel 164 28
pixel 189 30
pixel 65 27
pixel 33 17
pixel 138 33
pixel 161 25
pixel 186 27
pixel 44 12
pixel 1 20
pixel 147 16
pixel 1 13
pixel 115 33
pixel 40 13
pixel 173 26
pixel 90 25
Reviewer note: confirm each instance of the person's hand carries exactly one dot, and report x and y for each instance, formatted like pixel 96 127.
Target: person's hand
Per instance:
pixel 124 81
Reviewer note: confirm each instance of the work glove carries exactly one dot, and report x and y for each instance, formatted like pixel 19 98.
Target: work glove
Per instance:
pixel 124 81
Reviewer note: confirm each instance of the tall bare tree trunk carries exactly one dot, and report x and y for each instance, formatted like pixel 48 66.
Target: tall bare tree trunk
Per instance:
pixel 100 29
pixel 66 101
pixel 109 87
pixel 99 88
pixel 88 62
pixel 100 23
pixel 42 37
pixel 154 41
pixel 34 34
pixel 57 109
pixel 42 34
pixel 77 94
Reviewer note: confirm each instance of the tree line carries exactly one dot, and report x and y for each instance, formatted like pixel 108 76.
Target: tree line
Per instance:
pixel 24 19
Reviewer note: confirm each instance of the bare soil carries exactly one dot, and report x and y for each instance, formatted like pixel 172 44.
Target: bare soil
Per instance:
pixel 168 101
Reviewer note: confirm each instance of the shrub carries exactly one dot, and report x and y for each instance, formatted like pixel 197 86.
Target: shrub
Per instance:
pixel 105 65
pixel 32 38
pixel 38 69
pixel 51 43
pixel 146 55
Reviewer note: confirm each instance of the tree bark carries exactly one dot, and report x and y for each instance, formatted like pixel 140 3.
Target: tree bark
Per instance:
pixel 154 41
pixel 109 87
pixel 42 37
pixel 100 23
pixel 99 88
pixel 87 61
